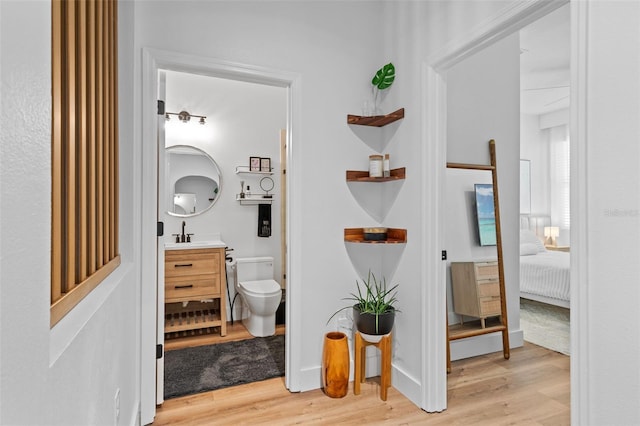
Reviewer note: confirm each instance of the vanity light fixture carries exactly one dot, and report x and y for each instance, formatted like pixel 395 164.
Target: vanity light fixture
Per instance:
pixel 184 116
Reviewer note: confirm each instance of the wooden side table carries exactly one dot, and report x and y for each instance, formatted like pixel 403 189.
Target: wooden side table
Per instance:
pixel 557 248
pixel 384 345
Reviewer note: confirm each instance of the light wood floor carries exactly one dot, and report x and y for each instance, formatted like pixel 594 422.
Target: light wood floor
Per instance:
pixel 532 388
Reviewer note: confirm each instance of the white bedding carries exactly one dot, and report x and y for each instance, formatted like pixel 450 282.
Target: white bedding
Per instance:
pixel 546 274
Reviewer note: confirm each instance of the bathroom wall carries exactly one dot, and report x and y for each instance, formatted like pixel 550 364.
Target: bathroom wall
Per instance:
pixel 243 119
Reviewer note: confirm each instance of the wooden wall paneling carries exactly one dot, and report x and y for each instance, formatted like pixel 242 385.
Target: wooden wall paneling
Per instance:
pixel 92 170
pixel 106 98
pixel 56 155
pixel 81 41
pixel 84 150
pixel 114 115
pixel 99 138
pixel 70 170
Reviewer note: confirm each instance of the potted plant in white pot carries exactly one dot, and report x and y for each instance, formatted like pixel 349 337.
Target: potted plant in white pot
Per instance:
pixel 374 309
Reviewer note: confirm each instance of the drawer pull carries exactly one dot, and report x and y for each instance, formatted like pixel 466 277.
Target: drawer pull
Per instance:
pixel 182 265
pixel 183 286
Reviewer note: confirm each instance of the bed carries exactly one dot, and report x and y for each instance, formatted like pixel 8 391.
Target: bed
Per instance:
pixel 544 274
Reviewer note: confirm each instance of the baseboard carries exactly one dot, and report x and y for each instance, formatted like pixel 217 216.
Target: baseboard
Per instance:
pixel 406 385
pixel 485 344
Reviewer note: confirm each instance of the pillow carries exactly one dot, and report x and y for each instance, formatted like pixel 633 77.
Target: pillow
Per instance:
pixel 528 237
pixel 528 249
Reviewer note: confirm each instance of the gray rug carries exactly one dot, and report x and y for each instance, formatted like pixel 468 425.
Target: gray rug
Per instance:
pixel 205 368
pixel 545 325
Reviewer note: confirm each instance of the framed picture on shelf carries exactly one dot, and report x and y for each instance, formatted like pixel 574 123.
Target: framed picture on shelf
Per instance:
pixel 254 164
pixel 265 164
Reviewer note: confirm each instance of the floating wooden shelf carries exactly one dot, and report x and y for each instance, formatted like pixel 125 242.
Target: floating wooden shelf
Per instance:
pixel 376 120
pixel 363 176
pixel 394 236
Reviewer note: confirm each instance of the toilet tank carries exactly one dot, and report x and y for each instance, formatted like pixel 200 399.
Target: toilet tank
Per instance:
pixel 254 268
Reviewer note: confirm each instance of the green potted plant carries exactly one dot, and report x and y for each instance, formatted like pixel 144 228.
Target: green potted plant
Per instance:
pixel 374 308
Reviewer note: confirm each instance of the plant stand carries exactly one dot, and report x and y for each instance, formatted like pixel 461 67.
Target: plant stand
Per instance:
pixel 384 345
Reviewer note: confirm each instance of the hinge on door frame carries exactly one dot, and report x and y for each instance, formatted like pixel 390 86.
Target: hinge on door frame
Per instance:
pixel 160 231
pixel 444 255
pixel 160 107
pixel 159 351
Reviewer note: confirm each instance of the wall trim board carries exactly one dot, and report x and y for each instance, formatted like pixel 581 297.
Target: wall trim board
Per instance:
pixel 152 61
pixel 579 332
pixel 434 107
pixel 512 18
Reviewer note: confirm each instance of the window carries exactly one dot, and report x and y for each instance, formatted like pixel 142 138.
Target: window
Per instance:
pixel 84 225
pixel 560 177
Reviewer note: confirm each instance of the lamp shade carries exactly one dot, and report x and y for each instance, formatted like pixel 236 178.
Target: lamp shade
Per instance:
pixel 551 231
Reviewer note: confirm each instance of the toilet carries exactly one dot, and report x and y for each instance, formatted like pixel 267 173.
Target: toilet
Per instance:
pixel 261 293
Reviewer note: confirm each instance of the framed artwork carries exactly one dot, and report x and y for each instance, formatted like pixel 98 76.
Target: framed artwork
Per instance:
pixel 265 164
pixel 254 164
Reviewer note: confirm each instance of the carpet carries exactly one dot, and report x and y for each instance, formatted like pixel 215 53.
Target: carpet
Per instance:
pixel 545 325
pixel 205 368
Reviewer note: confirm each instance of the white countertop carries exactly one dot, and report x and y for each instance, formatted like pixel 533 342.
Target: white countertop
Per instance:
pixel 195 245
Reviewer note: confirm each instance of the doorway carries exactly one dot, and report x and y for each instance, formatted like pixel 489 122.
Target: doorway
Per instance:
pixel 153 61
pixel 232 122
pixel 435 136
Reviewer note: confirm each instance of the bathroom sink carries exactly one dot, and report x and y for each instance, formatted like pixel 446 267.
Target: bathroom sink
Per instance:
pixel 195 245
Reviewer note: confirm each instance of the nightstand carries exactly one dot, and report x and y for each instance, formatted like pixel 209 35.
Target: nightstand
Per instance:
pixel 557 248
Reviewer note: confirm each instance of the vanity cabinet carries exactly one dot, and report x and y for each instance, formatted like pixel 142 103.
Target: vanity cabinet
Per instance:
pixel 195 285
pixel 476 289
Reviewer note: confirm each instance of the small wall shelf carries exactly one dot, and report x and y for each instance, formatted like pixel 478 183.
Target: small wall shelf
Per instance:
pixel 394 236
pixel 244 170
pixel 254 199
pixel 376 120
pixel 363 176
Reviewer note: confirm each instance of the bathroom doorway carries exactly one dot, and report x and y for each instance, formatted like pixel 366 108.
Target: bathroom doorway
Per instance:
pixel 152 313
pixel 233 122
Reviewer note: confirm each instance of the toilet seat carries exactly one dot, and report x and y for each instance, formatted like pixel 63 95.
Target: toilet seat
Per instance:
pixel 261 288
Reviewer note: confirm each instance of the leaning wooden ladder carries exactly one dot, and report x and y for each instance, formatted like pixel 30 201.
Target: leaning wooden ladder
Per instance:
pixel 504 323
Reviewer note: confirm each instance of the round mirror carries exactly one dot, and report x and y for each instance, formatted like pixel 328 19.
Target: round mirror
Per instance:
pixel 194 181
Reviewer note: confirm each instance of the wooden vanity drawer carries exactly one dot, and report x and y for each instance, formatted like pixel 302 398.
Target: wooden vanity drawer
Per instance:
pixel 488 288
pixel 185 288
pixel 178 263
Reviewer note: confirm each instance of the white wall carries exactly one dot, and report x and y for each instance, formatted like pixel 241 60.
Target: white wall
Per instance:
pixel 68 374
pixel 243 119
pixel 482 104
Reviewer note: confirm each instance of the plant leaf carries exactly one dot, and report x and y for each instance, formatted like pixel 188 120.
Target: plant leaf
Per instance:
pixel 384 77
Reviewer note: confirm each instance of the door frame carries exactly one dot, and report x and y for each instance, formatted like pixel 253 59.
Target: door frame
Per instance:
pixel 152 61
pixel 434 107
